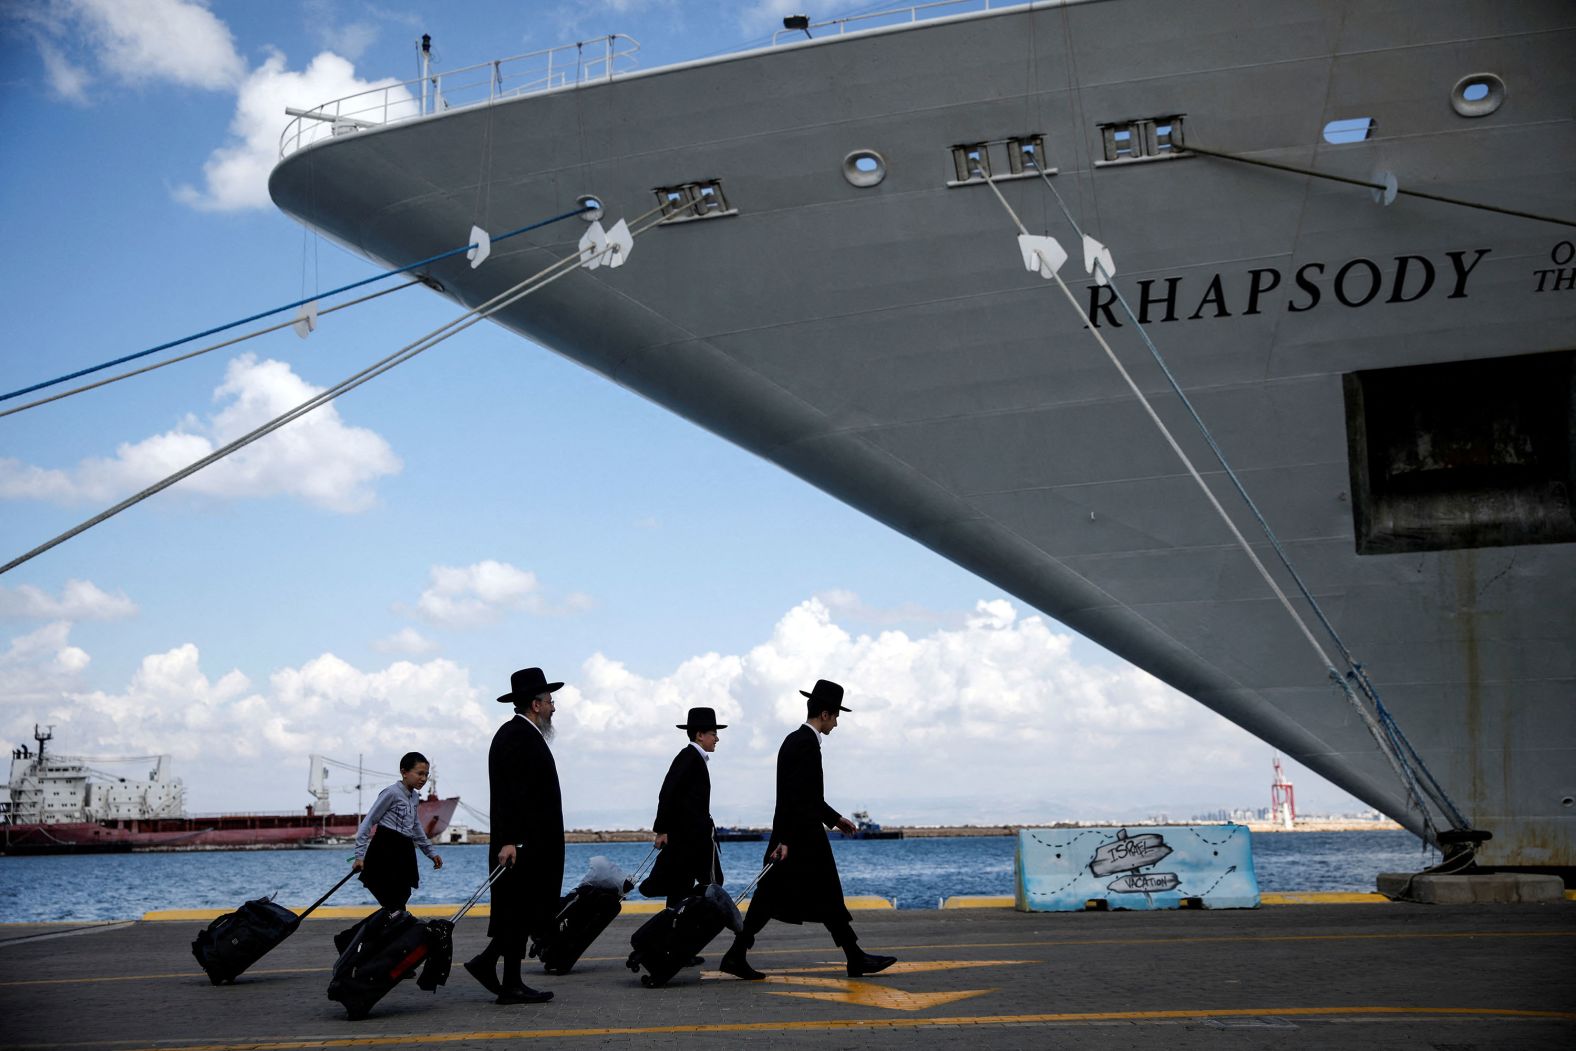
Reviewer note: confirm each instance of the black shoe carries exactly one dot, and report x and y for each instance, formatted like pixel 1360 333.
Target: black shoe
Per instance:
pixel 866 964
pixel 485 972
pixel 695 961
pixel 735 964
pixel 523 994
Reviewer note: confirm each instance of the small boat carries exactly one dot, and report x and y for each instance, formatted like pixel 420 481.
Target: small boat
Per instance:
pixel 866 829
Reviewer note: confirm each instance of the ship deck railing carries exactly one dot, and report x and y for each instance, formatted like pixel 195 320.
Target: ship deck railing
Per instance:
pixel 598 60
pixel 582 62
pixel 892 16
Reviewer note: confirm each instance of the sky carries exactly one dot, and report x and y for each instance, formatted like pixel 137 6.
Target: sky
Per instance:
pixel 363 582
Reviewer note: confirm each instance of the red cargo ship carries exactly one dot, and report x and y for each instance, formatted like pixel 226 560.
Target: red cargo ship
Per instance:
pixel 63 805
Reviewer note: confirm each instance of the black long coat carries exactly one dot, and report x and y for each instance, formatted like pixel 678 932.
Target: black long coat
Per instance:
pixel 527 810
pixel 684 813
pixel 805 886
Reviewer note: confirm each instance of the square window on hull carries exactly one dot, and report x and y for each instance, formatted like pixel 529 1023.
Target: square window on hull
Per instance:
pixel 1463 454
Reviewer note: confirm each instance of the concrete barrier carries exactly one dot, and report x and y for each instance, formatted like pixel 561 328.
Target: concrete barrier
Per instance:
pixel 1135 867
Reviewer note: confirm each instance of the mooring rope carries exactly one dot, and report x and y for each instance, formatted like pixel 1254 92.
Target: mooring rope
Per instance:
pixel 1396 761
pixel 541 279
pixel 288 306
pixel 193 353
pixel 1188 147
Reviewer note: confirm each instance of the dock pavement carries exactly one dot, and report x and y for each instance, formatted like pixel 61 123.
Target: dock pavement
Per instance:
pixel 1357 974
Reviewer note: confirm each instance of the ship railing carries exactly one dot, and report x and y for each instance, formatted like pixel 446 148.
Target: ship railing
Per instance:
pixel 892 17
pixel 583 62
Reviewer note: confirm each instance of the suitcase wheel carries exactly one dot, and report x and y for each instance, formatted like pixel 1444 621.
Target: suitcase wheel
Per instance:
pixel 633 963
pixel 647 981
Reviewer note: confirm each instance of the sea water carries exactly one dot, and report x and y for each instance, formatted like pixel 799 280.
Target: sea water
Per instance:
pixel 916 873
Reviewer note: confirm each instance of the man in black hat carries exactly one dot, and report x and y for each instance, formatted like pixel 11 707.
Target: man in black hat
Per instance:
pixel 683 826
pixel 803 883
pixel 527 836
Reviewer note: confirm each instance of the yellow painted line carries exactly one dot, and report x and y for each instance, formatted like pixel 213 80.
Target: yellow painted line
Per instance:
pixel 1290 897
pixel 356 912
pixel 1322 897
pixel 978 901
pixel 423 1039
pixel 1045 943
pixel 169 974
pixel 328 912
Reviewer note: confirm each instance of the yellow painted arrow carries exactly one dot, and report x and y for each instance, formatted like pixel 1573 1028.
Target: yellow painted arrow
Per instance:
pixel 869 994
pixel 913 966
pixel 872 994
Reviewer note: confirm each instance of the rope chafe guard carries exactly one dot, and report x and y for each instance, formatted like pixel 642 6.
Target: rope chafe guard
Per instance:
pixel 480 247
pixel 306 319
pixel 607 248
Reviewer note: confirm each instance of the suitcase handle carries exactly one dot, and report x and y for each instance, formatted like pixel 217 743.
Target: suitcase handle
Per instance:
pixel 759 876
pixel 634 878
pixel 477 896
pixel 313 907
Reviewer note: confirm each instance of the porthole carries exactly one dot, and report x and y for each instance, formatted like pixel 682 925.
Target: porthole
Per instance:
pixel 1477 94
pixel 864 168
pixel 1349 129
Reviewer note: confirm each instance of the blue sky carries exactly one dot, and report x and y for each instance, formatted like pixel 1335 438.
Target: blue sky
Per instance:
pixel 366 580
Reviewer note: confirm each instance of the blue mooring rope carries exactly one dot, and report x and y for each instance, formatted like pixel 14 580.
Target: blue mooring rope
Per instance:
pixel 288 306
pixel 1419 781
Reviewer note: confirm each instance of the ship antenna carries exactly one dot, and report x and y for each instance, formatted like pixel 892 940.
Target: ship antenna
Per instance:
pixel 426 67
pixel 47 735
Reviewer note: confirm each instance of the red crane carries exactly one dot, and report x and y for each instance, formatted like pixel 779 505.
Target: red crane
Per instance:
pixel 1283 799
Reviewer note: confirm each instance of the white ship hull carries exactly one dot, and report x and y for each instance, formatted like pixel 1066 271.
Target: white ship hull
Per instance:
pixel 886 344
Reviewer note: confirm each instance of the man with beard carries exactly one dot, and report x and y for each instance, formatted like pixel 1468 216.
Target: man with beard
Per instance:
pixel 527 836
pixel 683 824
pixel 803 883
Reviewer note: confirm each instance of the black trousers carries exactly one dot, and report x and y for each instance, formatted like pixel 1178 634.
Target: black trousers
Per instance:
pixel 389 869
pixel 755 920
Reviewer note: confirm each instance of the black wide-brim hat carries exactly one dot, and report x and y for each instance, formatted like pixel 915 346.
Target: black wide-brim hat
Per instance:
pixel 825 696
pixel 701 719
pixel 526 684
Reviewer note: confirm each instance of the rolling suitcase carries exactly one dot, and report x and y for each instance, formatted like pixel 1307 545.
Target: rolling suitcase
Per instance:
pixel 583 914
pixel 666 943
pixel 236 940
pixel 387 947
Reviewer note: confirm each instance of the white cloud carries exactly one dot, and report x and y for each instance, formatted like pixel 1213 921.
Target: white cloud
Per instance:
pixel 483 593
pixel 34 670
pixel 79 600
pixel 316 458
pixel 992 721
pixel 67 80
pixel 236 175
pixel 237 746
pixel 849 606
pixel 350 39
pixel 407 641
pixel 184 43
pixel 136 42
